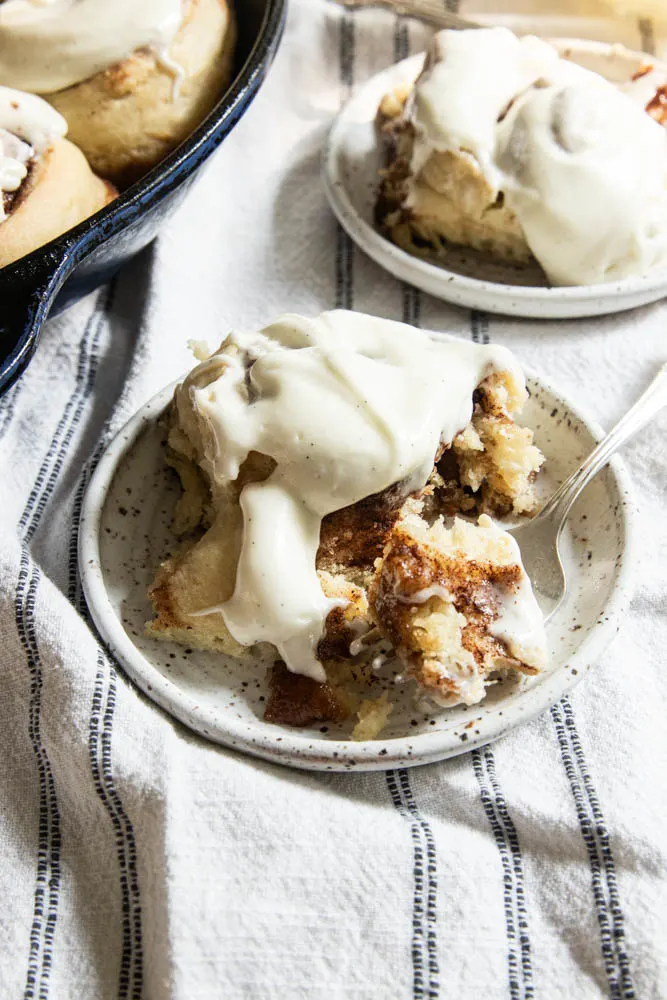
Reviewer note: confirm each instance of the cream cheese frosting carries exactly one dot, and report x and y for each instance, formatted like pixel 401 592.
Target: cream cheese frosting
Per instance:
pixel 346 405
pixel 578 161
pixel 28 126
pixel 520 623
pixel 47 45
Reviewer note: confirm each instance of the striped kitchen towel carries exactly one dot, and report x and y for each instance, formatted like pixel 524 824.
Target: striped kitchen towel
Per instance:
pixel 137 860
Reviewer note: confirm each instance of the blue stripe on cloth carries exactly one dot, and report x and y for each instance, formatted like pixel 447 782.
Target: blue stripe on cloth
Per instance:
pixel 130 984
pixel 431 908
pixel 519 968
pixel 47 881
pixel 130 978
pixel 647 35
pixel 45 905
pixel 425 889
pixel 45 909
pixel 57 452
pixel 598 846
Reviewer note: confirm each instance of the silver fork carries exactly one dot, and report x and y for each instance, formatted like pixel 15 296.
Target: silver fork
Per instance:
pixel 539 538
pixel 430 11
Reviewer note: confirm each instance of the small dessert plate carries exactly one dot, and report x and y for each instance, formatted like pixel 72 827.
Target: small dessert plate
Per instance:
pixel 125 534
pixel 352 161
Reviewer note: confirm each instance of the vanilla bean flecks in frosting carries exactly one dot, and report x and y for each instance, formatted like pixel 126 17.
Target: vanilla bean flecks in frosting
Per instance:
pixel 28 126
pixel 579 162
pixel 346 405
pixel 47 46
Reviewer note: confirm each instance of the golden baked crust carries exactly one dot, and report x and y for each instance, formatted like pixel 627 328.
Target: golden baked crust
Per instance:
pixel 59 192
pixel 126 119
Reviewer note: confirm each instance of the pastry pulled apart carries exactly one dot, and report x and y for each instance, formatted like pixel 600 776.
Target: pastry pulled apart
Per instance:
pixel 47 186
pixel 504 147
pixel 132 79
pixel 338 475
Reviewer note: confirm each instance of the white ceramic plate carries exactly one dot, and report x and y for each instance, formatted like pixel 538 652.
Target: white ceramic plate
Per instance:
pixel 353 158
pixel 125 533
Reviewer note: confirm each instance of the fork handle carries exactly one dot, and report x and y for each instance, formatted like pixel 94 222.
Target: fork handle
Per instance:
pixel 431 11
pixel 646 407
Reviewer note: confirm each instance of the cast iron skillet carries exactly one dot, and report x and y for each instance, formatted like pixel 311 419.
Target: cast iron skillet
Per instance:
pixel 56 275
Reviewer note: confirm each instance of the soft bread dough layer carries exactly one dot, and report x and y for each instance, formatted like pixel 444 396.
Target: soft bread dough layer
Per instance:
pixel 60 192
pixel 451 201
pixel 127 118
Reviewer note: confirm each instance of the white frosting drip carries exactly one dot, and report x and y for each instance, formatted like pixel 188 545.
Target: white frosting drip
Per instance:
pixel 28 126
pixel 485 69
pixel 580 164
pixel 346 405
pixel 47 45
pixel 424 595
pixel 520 624
pixel 14 155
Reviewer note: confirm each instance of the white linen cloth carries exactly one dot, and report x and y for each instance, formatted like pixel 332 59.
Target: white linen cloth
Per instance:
pixel 138 860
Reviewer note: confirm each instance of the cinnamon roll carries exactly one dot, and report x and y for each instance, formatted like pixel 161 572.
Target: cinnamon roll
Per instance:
pixel 132 80
pixel 47 185
pixel 336 475
pixel 508 148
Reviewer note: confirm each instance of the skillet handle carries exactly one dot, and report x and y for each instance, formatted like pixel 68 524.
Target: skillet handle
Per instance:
pixel 27 290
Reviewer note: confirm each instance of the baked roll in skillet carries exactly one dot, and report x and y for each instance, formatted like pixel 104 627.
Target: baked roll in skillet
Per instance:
pixel 47 184
pixel 132 80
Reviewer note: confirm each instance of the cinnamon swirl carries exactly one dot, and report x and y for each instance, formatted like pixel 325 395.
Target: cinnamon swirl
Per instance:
pixel 47 185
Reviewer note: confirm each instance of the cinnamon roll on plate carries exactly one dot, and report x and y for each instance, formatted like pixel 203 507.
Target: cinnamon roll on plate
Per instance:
pixel 338 474
pixel 510 147
pixel 47 185
pixel 131 79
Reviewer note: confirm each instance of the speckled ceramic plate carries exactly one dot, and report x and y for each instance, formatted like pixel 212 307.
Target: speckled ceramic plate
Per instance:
pixel 353 159
pixel 125 534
